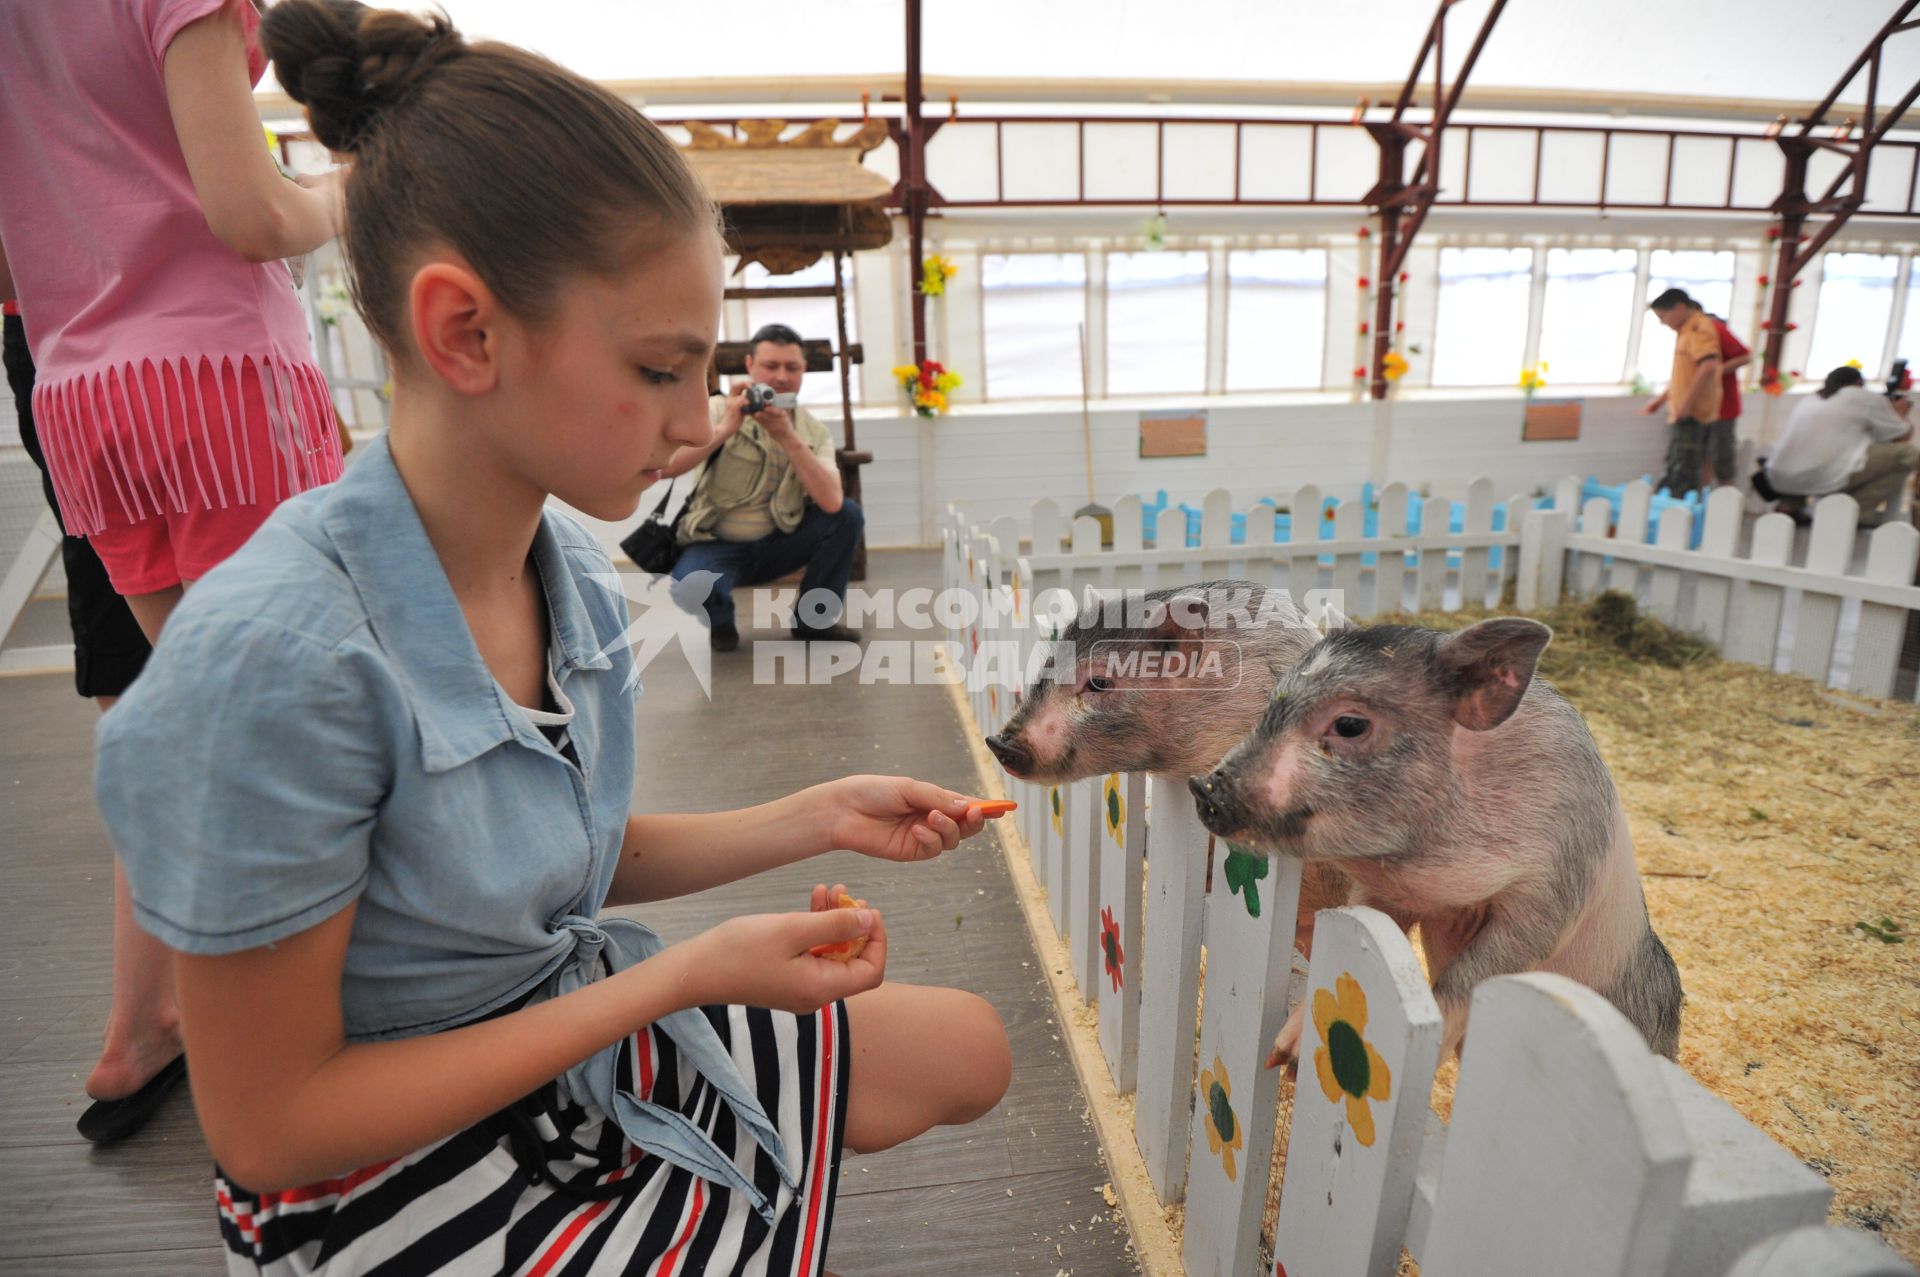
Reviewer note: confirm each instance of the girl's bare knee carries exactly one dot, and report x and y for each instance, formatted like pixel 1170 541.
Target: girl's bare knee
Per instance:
pixel 985 1082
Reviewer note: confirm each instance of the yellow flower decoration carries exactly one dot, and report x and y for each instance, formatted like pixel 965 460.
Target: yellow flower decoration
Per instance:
pixel 1394 366
pixel 1346 1062
pixel 1115 803
pixel 1059 814
pixel 935 271
pixel 1224 1136
pixel 906 374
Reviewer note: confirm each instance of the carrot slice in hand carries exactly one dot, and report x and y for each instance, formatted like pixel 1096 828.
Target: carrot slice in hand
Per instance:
pixel 842 950
pixel 995 806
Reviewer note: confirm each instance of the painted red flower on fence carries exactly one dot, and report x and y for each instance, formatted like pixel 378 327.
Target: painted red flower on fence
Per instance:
pixel 1110 948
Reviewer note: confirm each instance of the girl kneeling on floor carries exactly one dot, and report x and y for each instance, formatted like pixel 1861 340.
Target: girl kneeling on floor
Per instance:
pixel 373 787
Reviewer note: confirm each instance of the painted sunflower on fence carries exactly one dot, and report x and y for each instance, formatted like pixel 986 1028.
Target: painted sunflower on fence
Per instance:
pixel 1110 949
pixel 1346 1063
pixel 1115 804
pixel 1224 1136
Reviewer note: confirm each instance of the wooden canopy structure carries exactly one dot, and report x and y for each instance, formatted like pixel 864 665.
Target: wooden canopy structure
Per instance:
pixel 788 202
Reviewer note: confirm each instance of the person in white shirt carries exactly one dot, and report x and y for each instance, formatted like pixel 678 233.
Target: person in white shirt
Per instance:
pixel 1847 439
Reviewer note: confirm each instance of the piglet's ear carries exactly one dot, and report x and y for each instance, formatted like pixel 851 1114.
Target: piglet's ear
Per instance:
pixel 1182 623
pixel 1488 666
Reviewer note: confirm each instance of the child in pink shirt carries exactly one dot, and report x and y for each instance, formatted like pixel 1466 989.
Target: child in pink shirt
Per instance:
pixel 142 223
pixel 177 396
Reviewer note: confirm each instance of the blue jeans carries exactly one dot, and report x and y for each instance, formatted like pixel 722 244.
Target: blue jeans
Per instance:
pixel 823 543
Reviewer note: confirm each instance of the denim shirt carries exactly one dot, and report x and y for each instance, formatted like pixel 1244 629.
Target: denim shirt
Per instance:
pixel 316 727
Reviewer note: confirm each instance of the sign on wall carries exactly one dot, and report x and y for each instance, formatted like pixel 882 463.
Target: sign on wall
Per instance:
pixel 1554 419
pixel 1173 434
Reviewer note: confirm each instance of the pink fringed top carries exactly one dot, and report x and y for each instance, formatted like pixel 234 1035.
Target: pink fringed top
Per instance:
pixel 150 336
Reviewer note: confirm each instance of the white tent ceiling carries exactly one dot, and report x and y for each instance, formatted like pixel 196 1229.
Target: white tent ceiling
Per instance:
pixel 1757 50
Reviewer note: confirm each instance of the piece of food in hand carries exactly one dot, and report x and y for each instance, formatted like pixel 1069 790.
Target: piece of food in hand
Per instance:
pixel 843 950
pixel 995 806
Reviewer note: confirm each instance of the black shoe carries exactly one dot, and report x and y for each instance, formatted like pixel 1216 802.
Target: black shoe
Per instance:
pixel 826 634
pixel 106 1121
pixel 725 638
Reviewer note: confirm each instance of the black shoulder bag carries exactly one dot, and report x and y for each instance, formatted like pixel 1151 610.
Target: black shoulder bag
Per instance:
pixel 655 544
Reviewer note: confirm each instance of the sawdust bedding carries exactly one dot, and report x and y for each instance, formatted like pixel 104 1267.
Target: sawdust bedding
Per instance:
pixel 1777 828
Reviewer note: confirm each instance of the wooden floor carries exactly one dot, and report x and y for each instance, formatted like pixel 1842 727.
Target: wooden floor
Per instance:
pixel 1015 1194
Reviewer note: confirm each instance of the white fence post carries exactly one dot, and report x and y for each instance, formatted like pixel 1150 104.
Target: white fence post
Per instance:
pixel 1663 596
pixel 1635 503
pixel 1431 576
pixel 1123 834
pixel 1829 547
pixel 1251 913
pixel 1891 553
pixel 1474 560
pixel 1558 1104
pixel 1741 1185
pixel 1350 522
pixel 1367 1056
pixel 1543 554
pixel 1822 1252
pixel 1718 540
pixel 1303 570
pixel 1390 573
pixel 1596 520
pixel 1755 637
pixel 1169 982
pixel 1082 931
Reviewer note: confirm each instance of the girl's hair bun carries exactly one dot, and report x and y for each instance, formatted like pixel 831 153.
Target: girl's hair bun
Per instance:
pixel 348 64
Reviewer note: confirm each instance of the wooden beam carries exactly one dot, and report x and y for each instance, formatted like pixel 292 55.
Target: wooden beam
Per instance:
pixel 730 357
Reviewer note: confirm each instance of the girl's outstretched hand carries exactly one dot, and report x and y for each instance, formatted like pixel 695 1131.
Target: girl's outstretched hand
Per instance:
pixel 895 817
pixel 762 960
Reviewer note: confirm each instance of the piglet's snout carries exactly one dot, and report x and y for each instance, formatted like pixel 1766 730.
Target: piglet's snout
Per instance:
pixel 1012 753
pixel 1213 801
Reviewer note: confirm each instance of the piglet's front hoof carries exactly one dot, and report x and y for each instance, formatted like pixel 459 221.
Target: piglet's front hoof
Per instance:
pixel 1286 1045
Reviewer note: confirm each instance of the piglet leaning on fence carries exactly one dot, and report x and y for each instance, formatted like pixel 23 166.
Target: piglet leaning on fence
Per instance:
pixel 1455 790
pixel 1116 712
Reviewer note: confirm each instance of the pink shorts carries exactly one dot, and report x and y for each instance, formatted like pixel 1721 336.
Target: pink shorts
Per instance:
pixel 167 467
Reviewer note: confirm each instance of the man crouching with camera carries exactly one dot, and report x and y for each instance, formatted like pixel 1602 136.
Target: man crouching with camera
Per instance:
pixel 769 500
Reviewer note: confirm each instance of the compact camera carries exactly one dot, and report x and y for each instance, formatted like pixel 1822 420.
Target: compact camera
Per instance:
pixel 761 396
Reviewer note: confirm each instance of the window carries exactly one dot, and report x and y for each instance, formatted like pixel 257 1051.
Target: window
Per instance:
pixel 1276 318
pixel 1156 323
pixel 1033 305
pixel 1480 327
pixel 1583 328
pixel 1856 304
pixel 811 317
pixel 1908 347
pixel 1707 278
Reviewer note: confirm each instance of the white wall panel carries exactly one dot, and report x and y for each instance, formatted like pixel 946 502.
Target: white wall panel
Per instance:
pixel 1198 161
pixel 1502 164
pixel 1276 161
pixel 961 163
pixel 1121 161
pixel 1700 170
pixel 1040 161
pixel 1757 169
pixel 1347 165
pixel 1570 165
pixel 1637 169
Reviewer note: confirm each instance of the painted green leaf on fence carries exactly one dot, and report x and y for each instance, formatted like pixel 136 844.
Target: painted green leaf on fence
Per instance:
pixel 1244 870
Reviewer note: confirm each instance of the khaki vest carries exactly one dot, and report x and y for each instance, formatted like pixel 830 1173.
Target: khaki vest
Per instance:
pixel 733 475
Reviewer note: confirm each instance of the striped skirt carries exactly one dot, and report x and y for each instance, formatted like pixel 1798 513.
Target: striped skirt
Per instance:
pixel 550 1189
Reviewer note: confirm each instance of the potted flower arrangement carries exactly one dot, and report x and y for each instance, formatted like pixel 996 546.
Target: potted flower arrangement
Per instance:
pixel 929 384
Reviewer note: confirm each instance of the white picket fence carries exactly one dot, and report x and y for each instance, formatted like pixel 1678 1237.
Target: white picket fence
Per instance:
pixel 1735 601
pixel 1571 1150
